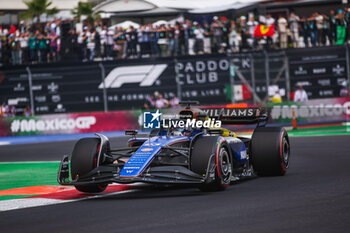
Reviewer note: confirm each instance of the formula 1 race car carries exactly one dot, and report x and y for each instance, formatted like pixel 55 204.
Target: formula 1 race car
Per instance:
pixel 209 158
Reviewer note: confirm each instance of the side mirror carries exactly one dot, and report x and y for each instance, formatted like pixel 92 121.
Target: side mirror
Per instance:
pixel 215 131
pixel 131 132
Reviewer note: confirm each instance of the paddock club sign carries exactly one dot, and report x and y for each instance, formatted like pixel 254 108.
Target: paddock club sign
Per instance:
pixel 204 79
pixel 62 88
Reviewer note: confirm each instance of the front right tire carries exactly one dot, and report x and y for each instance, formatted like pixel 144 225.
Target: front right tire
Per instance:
pixel 210 152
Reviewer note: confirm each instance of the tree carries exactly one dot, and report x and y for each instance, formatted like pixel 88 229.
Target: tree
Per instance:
pixel 38 7
pixel 86 9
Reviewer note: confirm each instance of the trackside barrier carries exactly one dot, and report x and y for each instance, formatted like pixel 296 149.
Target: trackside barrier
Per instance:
pixel 313 111
pixel 69 123
pixel 249 77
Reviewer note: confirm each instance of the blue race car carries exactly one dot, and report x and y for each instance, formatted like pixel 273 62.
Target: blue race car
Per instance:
pixel 209 158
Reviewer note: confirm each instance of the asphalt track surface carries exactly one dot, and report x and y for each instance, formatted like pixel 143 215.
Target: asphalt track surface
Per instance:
pixel 313 197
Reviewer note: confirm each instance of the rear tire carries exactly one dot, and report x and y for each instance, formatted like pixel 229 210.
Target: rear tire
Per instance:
pixel 270 151
pixel 84 159
pixel 201 159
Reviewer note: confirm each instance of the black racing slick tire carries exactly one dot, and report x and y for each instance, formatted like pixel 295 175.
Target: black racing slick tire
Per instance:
pixel 211 153
pixel 83 160
pixel 270 151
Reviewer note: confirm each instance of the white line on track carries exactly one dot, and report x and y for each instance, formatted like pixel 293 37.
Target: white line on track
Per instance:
pixel 16 204
pixel 4 143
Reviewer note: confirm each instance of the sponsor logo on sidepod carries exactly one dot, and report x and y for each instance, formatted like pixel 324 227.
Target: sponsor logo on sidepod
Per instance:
pixel 146 149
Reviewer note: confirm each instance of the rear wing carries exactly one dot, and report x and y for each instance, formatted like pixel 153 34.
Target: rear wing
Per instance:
pixel 237 116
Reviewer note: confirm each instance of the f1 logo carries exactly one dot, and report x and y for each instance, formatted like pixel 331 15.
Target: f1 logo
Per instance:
pixel 146 75
pixel 151 120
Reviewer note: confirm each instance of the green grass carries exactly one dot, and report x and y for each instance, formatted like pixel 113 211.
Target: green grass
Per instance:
pixel 24 174
pixel 318 131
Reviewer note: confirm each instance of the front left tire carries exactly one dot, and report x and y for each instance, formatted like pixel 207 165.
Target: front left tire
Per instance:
pixel 83 160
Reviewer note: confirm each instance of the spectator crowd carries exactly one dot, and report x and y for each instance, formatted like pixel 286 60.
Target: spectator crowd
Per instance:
pixel 157 101
pixel 28 44
pixel 7 110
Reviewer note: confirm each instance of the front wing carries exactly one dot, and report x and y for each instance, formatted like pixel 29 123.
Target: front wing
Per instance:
pixel 110 173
